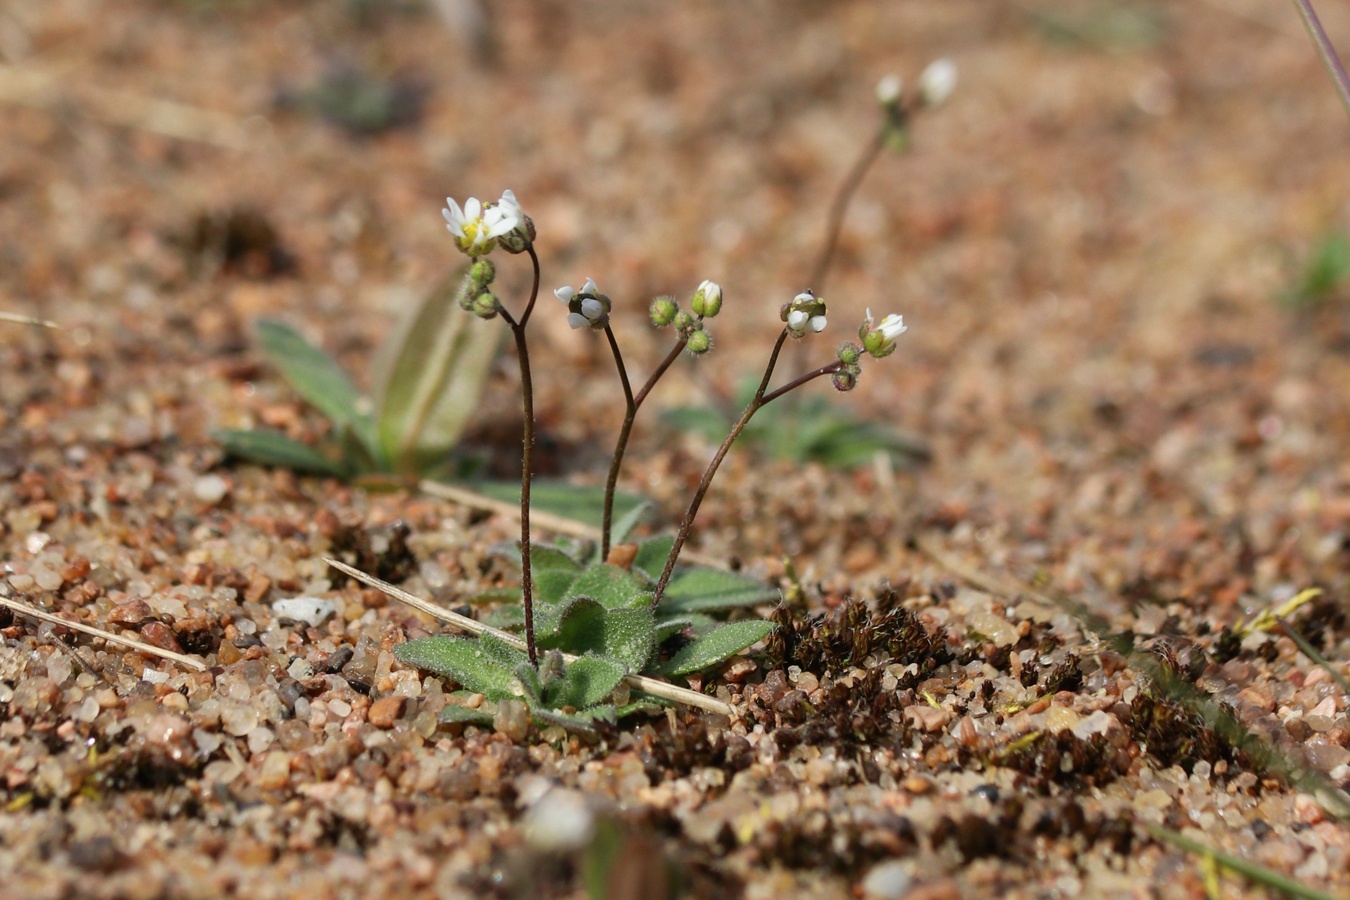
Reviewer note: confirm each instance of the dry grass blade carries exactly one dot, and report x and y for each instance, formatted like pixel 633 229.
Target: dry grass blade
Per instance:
pixel 656 688
pixel 140 647
pixel 26 320
pixel 1249 870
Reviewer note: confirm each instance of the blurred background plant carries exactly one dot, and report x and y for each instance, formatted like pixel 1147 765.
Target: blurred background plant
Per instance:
pixel 428 379
pixel 1323 273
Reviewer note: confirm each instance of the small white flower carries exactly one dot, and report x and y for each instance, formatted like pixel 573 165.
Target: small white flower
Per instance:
pixel 891 327
pixel 475 228
pixel 796 321
pixel 889 89
pixel 587 308
pixel 937 81
pixel 805 313
pixel 510 207
pixel 879 339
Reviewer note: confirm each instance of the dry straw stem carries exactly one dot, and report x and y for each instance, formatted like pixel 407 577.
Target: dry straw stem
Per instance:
pixel 26 320
pixel 149 649
pixel 662 689
pixel 548 521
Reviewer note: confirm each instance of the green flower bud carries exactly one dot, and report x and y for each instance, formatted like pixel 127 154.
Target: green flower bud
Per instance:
pixel 485 305
pixel 663 311
pixel 846 379
pixel 707 299
pixel 699 343
pixel 482 273
pixel 850 353
pixel 684 323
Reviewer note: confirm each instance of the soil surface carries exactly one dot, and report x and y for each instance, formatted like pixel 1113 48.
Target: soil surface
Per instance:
pixel 1135 445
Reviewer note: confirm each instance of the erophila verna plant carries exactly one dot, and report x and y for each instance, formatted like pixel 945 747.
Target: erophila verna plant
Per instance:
pixel 588 625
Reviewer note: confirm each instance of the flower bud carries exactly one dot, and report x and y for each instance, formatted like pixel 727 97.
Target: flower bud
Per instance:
pixel 845 379
pixel 684 323
pixel 889 90
pixel 485 305
pixel 663 311
pixel 586 308
pixel 521 236
pixel 699 342
pixel 805 313
pixel 850 353
pixel 937 82
pixel 482 273
pixel 707 299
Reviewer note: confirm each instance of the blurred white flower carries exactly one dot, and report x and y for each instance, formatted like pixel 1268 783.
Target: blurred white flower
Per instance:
pixel 889 89
pixel 805 313
pixel 587 308
pixel 937 81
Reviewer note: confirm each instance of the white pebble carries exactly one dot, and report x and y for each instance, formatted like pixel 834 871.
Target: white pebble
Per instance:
pixel 300 669
pixel 310 610
pixel 886 881
pixel 210 488
pixel 154 676
pixel 560 822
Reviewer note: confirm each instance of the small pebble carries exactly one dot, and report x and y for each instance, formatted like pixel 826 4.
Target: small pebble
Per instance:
pixel 385 711
pixel 210 488
pixel 886 881
pixel 310 610
pixel 560 822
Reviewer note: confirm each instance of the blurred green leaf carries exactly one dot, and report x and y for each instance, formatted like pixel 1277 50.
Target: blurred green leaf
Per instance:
pixel 429 377
pixel 316 377
pixel 1325 271
pixel 1102 24
pixel 580 503
pixel 455 713
pixel 271 448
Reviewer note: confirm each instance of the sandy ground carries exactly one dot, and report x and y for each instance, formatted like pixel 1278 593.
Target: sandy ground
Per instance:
pixel 1088 243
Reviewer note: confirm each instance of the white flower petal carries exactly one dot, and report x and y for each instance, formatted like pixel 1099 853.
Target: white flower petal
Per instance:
pixel 565 293
pixel 817 324
pixel 577 320
pixel 590 287
pixel 592 309
pixel 796 320
pixel 472 208
pixel 889 89
pixel 938 81
pixel 804 297
pixel 892 327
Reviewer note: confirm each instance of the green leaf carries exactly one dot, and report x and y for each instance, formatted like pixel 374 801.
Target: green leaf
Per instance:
pixel 628 635
pixel 704 589
pixel 508 617
pixel 610 586
pixel 454 713
pixel 624 525
pixel 717 646
pixel 580 503
pixel 430 377
pixel 547 556
pixel 697 624
pixel 585 682
pixel 271 448
pixel 493 596
pixel 551 585
pixel 652 555
pixel 468 662
pixel 313 374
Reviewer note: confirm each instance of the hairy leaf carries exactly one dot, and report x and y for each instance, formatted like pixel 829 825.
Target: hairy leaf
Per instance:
pixel 466 661
pixel 628 635
pixel 609 586
pixel 585 682
pixel 271 448
pixel 705 589
pixel 652 555
pixel 717 646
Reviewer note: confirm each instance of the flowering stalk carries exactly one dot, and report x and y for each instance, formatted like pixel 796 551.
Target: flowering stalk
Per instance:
pixel 527 455
pixel 761 399
pixel 631 403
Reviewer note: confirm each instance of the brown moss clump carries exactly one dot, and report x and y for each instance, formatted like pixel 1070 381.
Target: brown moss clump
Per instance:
pixel 834 642
pixel 1065 759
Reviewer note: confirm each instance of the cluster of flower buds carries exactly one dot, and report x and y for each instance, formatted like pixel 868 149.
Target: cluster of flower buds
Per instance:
pixel 806 313
pixel 478 228
pixel 705 303
pixel 586 308
pixel 477 296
